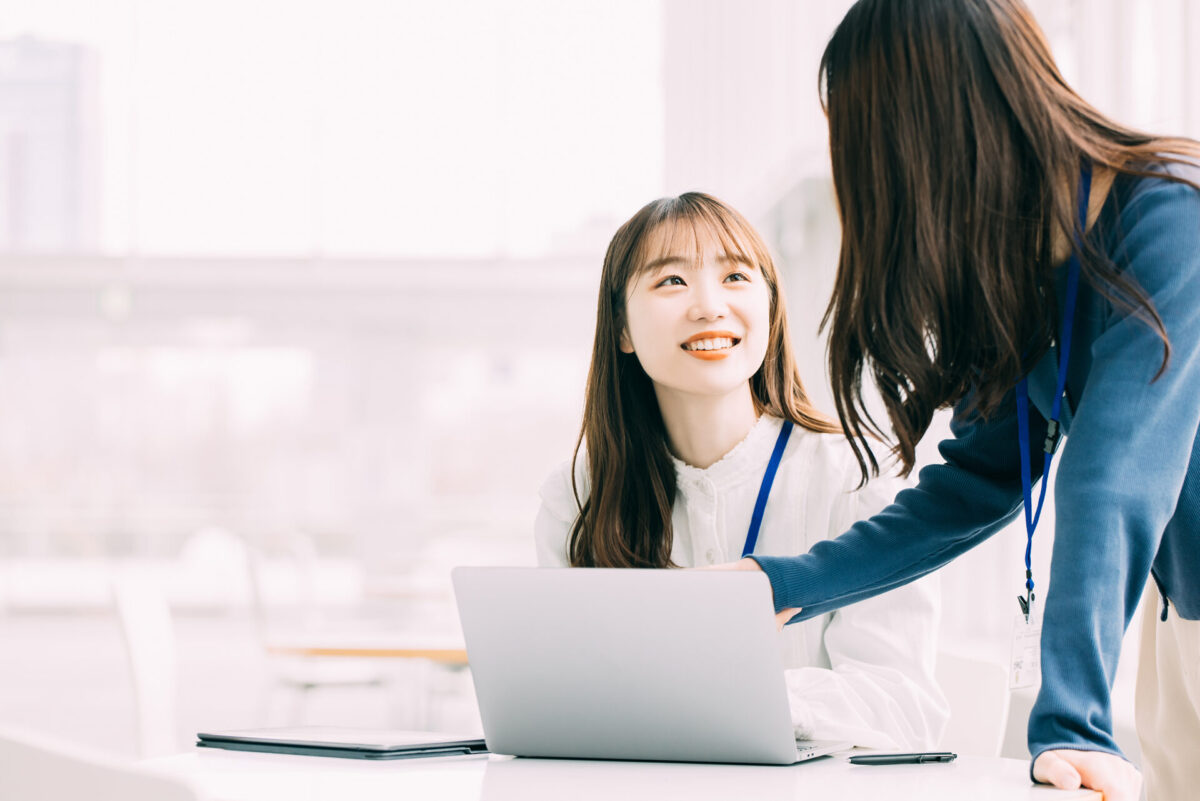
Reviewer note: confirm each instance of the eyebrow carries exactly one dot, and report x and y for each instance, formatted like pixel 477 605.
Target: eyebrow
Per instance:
pixel 723 258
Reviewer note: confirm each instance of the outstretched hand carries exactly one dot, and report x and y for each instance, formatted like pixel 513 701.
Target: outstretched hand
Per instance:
pixel 1097 770
pixel 782 616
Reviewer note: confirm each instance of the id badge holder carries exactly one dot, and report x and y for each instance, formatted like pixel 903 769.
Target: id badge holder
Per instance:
pixel 1026 665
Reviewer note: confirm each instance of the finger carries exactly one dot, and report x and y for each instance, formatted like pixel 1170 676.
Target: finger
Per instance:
pixel 1119 780
pixel 741 564
pixel 782 617
pixel 1050 768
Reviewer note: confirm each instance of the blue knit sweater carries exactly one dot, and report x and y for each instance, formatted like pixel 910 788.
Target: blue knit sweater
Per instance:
pixel 1127 495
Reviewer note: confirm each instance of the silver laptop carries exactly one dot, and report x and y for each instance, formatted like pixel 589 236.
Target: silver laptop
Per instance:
pixel 628 664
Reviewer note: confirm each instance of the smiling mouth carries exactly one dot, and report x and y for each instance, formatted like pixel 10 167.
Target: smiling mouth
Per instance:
pixel 711 345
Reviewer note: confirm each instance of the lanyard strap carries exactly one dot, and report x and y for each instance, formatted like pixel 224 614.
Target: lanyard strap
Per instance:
pixel 1053 432
pixel 764 491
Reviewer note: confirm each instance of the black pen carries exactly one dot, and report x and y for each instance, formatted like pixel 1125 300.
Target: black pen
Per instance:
pixel 902 759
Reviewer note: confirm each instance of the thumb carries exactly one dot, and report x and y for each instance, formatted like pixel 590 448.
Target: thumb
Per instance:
pixel 1050 768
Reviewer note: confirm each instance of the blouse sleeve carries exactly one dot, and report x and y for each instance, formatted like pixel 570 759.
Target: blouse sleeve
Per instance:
pixel 880 690
pixel 552 527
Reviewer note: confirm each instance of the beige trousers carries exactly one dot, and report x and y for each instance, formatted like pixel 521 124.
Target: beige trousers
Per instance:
pixel 1168 703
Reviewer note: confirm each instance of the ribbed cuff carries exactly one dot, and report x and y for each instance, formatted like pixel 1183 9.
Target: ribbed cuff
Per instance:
pixel 788 579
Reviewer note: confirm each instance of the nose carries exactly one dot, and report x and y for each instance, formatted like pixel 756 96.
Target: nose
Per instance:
pixel 707 302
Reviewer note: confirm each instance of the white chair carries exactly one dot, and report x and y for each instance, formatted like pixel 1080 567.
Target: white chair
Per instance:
pixel 149 638
pixel 977 690
pixel 299 676
pixel 34 767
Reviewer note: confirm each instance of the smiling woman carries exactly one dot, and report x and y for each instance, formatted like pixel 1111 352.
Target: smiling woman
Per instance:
pixel 682 270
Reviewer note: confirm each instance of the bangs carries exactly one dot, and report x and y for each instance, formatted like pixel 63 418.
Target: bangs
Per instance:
pixel 687 226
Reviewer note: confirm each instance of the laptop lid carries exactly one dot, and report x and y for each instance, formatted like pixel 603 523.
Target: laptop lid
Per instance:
pixel 626 664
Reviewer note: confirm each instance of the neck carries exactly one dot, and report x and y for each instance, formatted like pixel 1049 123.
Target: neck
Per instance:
pixel 701 428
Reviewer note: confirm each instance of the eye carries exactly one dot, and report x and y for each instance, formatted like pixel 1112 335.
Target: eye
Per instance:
pixel 670 280
pixel 738 276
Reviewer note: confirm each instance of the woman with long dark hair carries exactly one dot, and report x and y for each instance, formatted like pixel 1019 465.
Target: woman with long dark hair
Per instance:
pixel 699 443
pixel 1012 253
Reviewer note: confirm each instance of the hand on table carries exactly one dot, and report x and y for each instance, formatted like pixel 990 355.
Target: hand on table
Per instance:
pixel 781 617
pixel 1097 770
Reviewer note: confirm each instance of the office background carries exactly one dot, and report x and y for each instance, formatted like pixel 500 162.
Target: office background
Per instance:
pixel 315 280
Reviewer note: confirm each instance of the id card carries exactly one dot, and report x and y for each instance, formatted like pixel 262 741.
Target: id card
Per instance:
pixel 1026 666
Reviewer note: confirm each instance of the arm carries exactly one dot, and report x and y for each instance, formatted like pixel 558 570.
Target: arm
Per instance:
pixel 1121 473
pixel 880 689
pixel 955 506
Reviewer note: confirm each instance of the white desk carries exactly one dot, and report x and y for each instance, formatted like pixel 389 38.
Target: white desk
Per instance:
pixel 233 776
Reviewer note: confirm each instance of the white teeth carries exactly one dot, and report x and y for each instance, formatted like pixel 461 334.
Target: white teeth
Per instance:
pixel 710 344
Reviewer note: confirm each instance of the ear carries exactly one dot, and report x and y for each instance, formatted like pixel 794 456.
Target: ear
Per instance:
pixel 626 343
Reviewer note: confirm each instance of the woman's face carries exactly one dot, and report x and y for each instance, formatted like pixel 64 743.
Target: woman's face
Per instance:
pixel 697 316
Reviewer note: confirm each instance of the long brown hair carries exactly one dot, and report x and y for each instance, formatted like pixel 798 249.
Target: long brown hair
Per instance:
pixel 952 138
pixel 626 519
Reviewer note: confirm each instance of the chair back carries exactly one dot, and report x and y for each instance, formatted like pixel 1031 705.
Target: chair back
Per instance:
pixel 977 691
pixel 283 590
pixel 149 638
pixel 36 767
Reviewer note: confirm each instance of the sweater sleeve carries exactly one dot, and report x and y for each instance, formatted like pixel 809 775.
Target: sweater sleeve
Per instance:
pixel 880 690
pixel 1121 474
pixel 955 506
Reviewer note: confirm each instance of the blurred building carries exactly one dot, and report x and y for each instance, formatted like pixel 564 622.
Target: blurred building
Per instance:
pixel 49 148
pixel 338 293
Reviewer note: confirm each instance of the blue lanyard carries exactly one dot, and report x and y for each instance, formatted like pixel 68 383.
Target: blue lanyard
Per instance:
pixel 764 491
pixel 1053 432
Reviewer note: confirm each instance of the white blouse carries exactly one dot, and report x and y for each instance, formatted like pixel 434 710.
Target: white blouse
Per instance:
pixel 864 673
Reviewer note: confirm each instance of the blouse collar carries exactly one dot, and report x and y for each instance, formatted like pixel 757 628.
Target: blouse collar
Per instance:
pixel 746 458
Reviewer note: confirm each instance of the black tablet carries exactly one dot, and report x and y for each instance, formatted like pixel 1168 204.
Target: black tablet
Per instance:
pixel 349 743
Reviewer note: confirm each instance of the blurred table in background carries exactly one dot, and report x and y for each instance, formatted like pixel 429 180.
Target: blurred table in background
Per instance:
pixel 434 647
